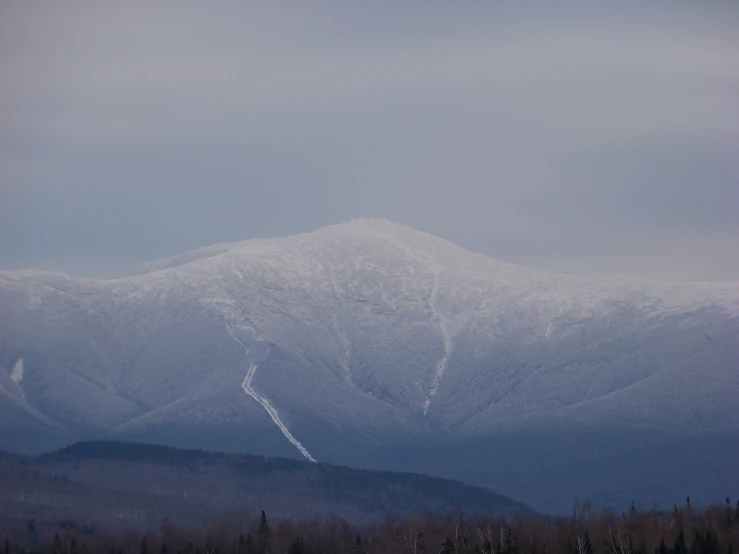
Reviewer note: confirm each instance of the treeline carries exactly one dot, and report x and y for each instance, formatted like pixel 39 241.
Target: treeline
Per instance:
pixel 683 530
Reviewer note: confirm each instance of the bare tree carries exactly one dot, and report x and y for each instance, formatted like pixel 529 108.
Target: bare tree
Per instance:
pixel 487 539
pixel 413 541
pixel 618 542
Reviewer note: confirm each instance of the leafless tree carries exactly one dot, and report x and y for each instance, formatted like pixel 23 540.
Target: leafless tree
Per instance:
pixel 413 540
pixel 618 542
pixel 487 539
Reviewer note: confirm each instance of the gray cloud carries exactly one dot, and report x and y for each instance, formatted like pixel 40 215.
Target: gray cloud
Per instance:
pixel 597 138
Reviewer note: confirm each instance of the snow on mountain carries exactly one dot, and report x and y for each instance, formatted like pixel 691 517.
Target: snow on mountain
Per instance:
pixel 361 343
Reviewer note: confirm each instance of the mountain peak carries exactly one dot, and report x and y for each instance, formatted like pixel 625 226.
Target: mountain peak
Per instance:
pixel 351 234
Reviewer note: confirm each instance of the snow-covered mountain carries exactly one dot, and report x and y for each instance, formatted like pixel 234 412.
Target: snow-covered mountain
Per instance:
pixel 372 344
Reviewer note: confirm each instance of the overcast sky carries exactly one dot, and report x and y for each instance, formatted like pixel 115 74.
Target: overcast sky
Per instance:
pixel 573 136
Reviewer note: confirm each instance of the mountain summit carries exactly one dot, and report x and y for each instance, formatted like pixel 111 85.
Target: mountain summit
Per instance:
pixel 372 344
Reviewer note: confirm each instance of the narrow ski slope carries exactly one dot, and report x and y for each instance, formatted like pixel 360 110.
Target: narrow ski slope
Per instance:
pixel 442 363
pixel 246 385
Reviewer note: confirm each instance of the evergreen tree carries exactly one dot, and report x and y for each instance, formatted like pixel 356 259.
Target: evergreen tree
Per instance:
pixel 31 527
pixel 164 548
pixel 56 544
pixel 662 549
pixel 263 525
pixel 680 547
pixel 358 545
pixel 447 547
pixel 263 533
pixel 705 543
pixel 297 547
pixel 144 549
pixel 697 547
pixel 510 544
pixel 588 545
pixel 249 547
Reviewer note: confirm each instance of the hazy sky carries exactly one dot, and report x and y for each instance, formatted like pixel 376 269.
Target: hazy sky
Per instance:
pixel 576 136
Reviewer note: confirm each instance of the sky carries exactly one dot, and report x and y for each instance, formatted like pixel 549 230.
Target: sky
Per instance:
pixel 584 137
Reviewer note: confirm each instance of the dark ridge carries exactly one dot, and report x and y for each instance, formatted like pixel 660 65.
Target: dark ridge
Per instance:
pixel 336 481
pixel 4 455
pixel 170 456
pixel 132 452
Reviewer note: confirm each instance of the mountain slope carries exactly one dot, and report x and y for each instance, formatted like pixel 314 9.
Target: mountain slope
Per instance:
pixel 362 343
pixel 122 485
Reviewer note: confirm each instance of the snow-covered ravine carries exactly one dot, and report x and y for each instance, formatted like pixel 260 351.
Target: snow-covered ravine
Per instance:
pixel 246 385
pixel 345 349
pixel 447 339
pixel 17 376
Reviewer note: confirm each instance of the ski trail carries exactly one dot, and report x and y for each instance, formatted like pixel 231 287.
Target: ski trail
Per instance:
pixel 442 363
pixel 549 328
pixel 246 385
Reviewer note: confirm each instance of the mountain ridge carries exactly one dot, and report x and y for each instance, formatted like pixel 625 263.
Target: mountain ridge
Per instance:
pixel 377 225
pixel 357 338
pixel 118 484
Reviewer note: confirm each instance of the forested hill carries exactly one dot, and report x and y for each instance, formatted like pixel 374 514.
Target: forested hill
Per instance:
pixel 123 484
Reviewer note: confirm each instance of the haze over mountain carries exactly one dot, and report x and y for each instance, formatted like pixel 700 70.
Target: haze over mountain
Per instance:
pixel 374 345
